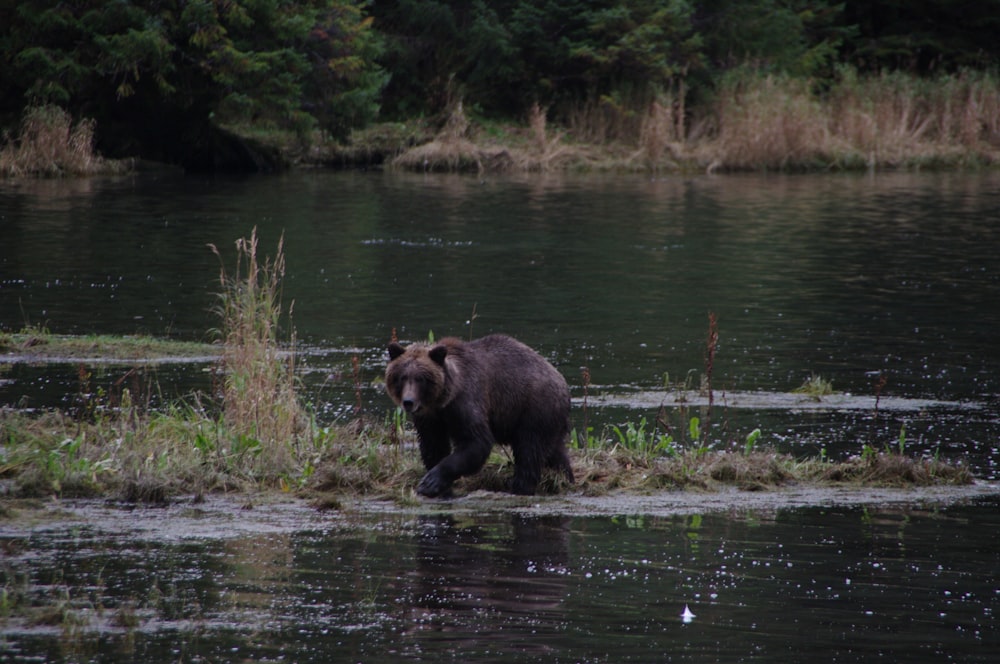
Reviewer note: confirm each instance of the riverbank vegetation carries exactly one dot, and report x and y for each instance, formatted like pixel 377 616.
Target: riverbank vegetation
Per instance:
pixel 255 433
pixel 689 85
pixel 49 144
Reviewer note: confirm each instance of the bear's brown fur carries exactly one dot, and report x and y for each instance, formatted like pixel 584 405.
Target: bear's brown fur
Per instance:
pixel 465 396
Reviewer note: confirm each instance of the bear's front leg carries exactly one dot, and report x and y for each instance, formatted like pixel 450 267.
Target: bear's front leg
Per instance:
pixel 435 484
pixel 472 445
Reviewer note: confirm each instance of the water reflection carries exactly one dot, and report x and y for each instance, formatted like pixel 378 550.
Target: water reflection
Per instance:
pixel 825 583
pixel 487 589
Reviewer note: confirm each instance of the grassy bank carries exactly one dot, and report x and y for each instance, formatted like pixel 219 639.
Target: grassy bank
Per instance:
pixel 154 457
pixel 755 122
pixel 50 144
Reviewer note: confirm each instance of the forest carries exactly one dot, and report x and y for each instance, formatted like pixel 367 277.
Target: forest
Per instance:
pixel 174 80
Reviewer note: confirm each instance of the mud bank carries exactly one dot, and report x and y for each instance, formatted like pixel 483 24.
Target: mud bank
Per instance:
pixel 223 517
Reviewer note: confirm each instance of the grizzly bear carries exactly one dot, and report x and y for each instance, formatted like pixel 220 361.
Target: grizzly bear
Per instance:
pixel 465 396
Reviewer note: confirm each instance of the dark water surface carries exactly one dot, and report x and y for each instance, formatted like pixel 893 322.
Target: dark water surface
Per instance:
pixel 847 584
pixel 847 277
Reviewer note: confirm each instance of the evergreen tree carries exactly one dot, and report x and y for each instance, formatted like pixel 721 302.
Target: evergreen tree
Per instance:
pixel 160 77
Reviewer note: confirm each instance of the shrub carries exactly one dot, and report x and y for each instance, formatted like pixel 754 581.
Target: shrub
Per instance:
pixel 50 145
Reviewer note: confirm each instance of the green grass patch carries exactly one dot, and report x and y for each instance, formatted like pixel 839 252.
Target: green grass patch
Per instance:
pixel 154 457
pixel 38 344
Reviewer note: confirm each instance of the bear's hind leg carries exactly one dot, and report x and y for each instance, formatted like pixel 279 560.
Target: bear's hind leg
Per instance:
pixel 527 467
pixel 559 461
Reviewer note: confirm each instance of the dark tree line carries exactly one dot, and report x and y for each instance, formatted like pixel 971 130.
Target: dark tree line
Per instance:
pixel 158 76
pixel 161 77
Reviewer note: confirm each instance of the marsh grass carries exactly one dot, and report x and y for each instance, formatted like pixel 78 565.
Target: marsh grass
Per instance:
pixel 768 122
pixel 40 344
pixel 163 455
pixel 259 400
pixel 451 150
pixel 49 144
pixel 892 120
pixel 755 121
pixel 462 145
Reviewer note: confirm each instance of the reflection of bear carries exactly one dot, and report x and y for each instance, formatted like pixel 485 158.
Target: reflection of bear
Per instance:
pixel 488 583
pixel 463 397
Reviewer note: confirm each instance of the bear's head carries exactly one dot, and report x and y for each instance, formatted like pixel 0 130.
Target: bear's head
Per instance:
pixel 417 378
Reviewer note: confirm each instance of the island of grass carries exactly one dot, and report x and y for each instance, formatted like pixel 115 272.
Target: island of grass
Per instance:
pixel 33 344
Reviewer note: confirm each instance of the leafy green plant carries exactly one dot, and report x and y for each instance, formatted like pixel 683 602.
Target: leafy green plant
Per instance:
pixel 635 437
pixel 751 441
pixel 585 440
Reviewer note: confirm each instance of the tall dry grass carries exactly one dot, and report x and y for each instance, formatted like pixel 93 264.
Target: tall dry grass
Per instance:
pixel 886 121
pixel 893 118
pixel 768 122
pixel 449 150
pixel 260 404
pixel 50 145
pixel 661 134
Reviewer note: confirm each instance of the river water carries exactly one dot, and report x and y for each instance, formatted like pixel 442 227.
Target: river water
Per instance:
pixel 856 278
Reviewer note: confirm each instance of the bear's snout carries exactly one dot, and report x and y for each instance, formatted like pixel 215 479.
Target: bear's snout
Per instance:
pixel 409 397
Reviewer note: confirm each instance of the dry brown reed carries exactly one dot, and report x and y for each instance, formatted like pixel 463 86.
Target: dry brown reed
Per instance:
pixel 661 134
pixel 768 122
pixel 894 119
pixel 451 150
pixel 260 403
pixel 887 121
pixel 606 120
pixel 50 145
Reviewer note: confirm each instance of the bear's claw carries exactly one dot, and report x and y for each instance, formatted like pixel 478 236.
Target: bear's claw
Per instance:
pixel 434 486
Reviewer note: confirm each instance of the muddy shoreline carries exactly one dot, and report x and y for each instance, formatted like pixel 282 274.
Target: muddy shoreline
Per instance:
pixel 232 517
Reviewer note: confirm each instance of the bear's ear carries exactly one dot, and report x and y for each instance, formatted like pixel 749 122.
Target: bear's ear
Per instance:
pixel 438 353
pixel 395 350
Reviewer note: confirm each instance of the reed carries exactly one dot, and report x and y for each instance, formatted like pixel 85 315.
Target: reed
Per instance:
pixel 260 404
pixel 768 122
pixel 892 120
pixel 450 149
pixel 50 145
pixel 661 134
